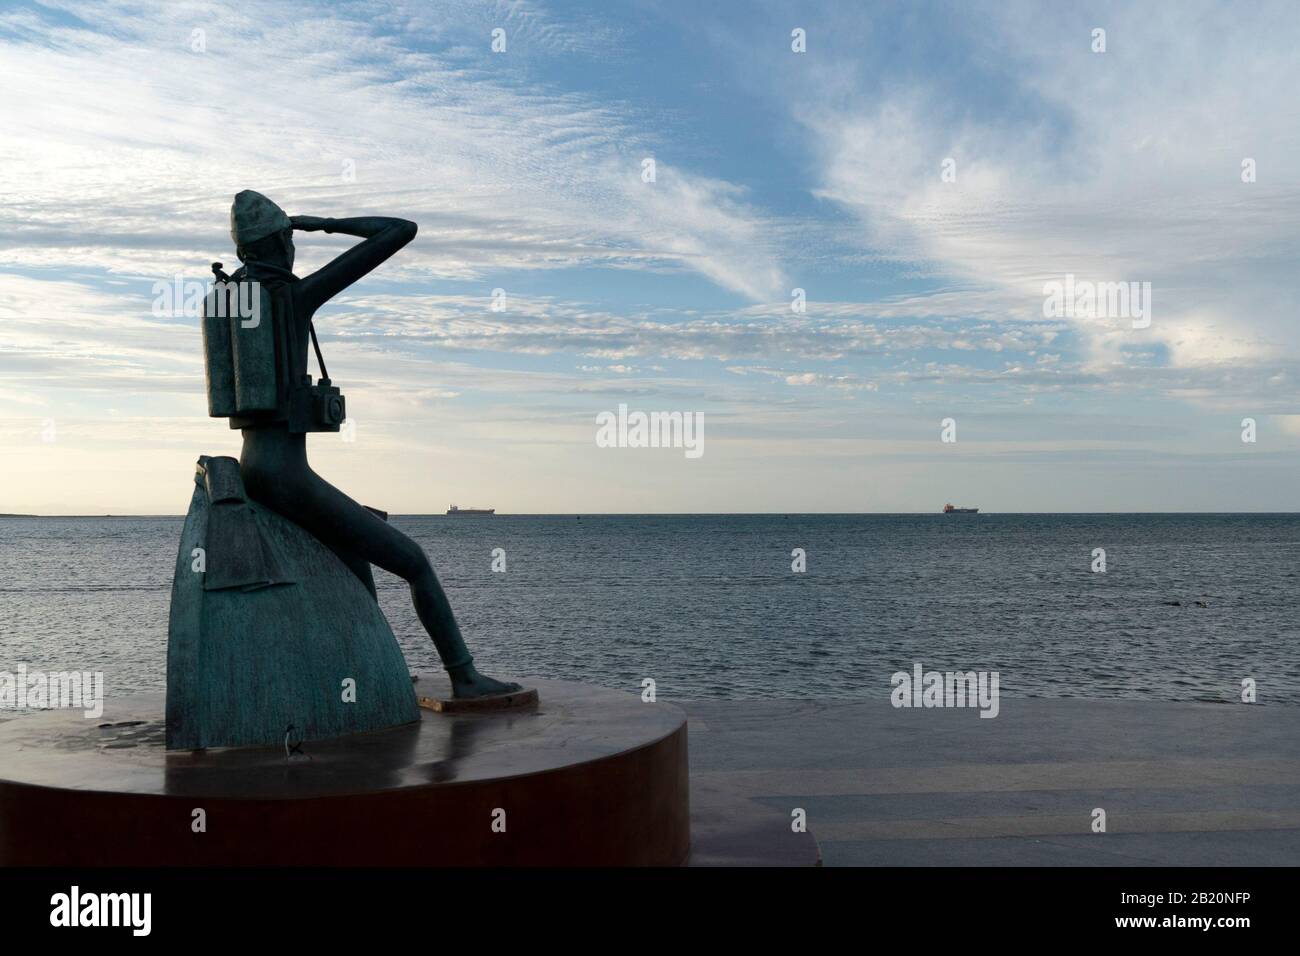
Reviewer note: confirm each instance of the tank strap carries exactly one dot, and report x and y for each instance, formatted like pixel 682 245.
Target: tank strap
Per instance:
pixel 320 359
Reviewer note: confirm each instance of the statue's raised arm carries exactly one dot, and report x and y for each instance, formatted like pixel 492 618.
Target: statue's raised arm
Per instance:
pixel 383 235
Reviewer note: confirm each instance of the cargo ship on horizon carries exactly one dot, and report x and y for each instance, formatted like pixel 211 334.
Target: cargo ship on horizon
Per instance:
pixel 454 510
pixel 950 510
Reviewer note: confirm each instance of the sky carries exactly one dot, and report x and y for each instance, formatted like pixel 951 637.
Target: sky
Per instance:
pixel 921 171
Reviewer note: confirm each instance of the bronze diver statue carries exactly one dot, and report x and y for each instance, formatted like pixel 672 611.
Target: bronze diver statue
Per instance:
pixel 268 394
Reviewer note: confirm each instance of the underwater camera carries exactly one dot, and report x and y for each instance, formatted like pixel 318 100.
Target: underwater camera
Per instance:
pixel 316 408
pixel 328 405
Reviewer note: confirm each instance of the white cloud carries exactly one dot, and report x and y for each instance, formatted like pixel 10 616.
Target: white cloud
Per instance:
pixel 499 171
pixel 1126 167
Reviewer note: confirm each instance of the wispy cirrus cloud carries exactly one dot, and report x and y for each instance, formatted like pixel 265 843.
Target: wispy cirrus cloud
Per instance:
pixel 819 172
pixel 1123 165
pixel 368 108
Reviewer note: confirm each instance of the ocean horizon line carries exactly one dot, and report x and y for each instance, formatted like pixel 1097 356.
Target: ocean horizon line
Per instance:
pixel 713 514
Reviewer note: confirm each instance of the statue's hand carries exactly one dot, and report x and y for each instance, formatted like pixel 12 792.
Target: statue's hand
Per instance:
pixel 307 223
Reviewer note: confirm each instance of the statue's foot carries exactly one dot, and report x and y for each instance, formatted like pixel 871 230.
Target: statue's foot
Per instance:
pixel 466 683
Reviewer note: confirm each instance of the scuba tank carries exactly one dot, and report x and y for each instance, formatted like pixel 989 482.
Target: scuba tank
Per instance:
pixel 250 349
pixel 218 355
pixel 239 347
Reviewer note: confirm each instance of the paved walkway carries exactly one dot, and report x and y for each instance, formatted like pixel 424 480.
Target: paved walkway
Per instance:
pixel 1181 784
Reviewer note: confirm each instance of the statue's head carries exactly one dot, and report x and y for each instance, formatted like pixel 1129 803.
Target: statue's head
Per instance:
pixel 261 230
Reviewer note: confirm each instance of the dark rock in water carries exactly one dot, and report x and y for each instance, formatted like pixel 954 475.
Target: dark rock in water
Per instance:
pixel 1202 604
pixel 1174 603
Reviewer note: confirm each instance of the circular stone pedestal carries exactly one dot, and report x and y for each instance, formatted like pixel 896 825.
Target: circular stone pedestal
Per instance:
pixel 587 777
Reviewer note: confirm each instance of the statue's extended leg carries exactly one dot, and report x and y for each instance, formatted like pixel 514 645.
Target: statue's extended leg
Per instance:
pixel 344 525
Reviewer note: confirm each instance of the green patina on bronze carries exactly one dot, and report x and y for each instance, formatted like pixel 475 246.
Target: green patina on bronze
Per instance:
pixel 281 620
pixel 253 217
pixel 266 629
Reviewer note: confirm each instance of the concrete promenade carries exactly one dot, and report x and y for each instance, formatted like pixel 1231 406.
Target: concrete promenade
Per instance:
pixel 1181 784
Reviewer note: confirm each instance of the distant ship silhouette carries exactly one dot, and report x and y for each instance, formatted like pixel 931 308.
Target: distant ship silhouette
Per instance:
pixel 950 510
pixel 454 510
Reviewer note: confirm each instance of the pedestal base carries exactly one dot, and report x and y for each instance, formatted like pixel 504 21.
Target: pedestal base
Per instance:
pixel 588 777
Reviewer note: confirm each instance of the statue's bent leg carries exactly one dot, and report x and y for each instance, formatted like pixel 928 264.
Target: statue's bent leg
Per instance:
pixel 343 524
